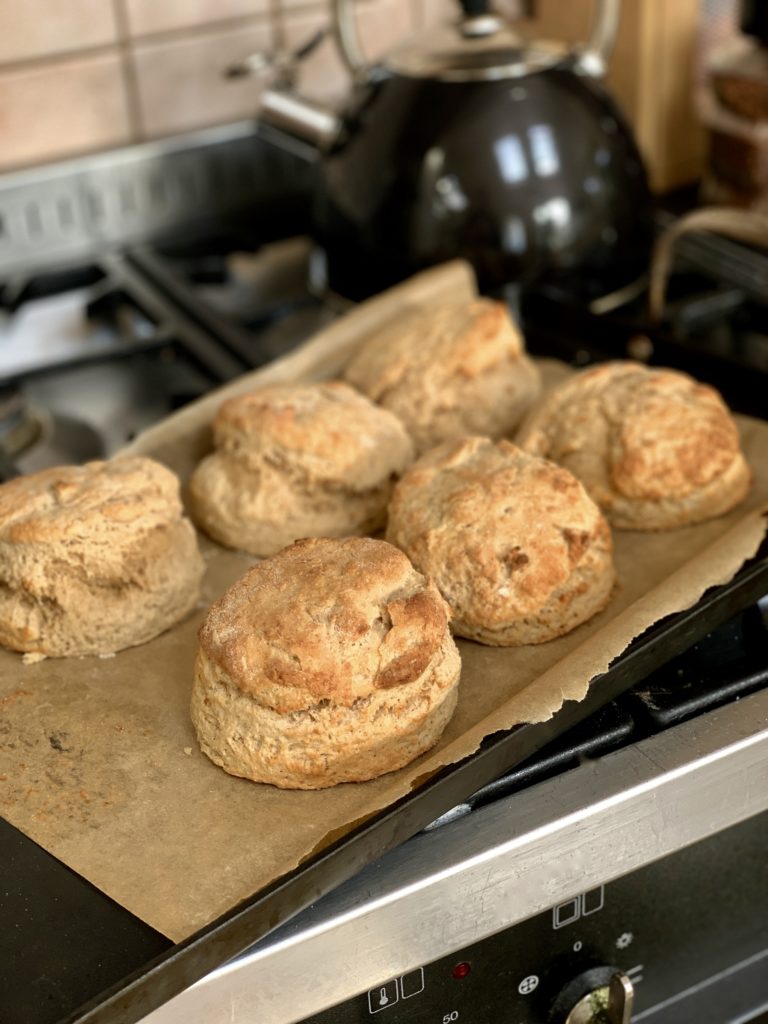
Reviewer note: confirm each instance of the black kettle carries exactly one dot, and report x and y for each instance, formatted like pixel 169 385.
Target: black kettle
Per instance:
pixel 473 142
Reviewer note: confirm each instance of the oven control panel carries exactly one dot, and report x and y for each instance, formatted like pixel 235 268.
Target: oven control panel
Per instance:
pixel 681 939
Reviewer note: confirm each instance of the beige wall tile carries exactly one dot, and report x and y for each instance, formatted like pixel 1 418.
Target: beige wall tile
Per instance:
pixel 318 5
pixel 181 84
pixel 37 28
pixel 382 24
pixel 146 16
pixel 62 108
pixel 438 12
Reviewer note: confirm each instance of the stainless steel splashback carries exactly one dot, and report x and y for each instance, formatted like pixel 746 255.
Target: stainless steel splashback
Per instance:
pixel 68 212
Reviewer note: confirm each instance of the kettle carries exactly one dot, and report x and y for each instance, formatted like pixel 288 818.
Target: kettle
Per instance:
pixel 472 142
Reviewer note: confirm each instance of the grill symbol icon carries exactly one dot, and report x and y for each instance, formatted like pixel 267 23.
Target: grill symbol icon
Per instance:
pixel 527 985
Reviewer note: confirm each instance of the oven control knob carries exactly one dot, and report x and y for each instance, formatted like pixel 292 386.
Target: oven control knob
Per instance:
pixel 602 995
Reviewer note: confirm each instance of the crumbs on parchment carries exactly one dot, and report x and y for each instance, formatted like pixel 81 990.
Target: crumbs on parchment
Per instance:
pixel 33 657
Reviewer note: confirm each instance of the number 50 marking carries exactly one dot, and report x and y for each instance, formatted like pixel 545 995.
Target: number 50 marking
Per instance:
pixel 450 1017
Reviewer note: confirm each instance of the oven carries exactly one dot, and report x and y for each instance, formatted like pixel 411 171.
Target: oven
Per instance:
pixel 648 862
pixel 619 873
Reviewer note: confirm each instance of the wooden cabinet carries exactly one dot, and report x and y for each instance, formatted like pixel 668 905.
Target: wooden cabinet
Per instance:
pixel 652 73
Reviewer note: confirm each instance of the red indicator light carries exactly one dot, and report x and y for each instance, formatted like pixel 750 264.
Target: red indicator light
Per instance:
pixel 461 970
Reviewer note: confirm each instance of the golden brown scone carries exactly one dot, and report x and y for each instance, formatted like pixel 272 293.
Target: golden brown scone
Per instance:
pixel 514 543
pixel 298 460
pixel 654 448
pixel 94 558
pixel 450 372
pixel 330 662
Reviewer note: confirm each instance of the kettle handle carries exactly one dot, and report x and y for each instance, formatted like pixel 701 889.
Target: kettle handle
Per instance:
pixel 596 52
pixel 347 39
pixel 593 55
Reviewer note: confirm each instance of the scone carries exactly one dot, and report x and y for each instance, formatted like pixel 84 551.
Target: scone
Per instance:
pixel 330 662
pixel 298 460
pixel 654 448
pixel 449 372
pixel 94 558
pixel 514 543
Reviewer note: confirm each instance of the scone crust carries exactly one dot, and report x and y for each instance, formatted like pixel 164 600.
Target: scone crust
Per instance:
pixel 94 558
pixel 294 461
pixel 654 448
pixel 450 372
pixel 515 545
pixel 330 662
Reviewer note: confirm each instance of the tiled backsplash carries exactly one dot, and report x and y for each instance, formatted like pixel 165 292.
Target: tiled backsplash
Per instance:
pixel 78 75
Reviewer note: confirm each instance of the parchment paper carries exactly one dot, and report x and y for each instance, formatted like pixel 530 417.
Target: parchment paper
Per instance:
pixel 98 760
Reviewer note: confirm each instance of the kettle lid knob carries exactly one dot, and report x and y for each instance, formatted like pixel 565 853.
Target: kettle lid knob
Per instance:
pixel 464 56
pixel 478 19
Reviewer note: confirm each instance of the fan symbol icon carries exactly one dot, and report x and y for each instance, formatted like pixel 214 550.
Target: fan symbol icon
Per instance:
pixel 624 940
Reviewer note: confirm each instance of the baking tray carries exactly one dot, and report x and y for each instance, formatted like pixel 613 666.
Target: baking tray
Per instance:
pixel 368 832
pixel 232 933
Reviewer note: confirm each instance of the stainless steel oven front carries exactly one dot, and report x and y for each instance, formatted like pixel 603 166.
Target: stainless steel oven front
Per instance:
pixel 648 865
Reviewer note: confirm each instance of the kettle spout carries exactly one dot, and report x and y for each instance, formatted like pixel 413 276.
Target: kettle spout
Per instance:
pixel 302 119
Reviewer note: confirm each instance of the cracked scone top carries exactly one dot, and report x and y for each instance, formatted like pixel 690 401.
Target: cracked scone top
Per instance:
pixel 94 558
pixel 329 662
pixel 654 448
pixel 297 460
pixel 445 373
pixel 514 543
